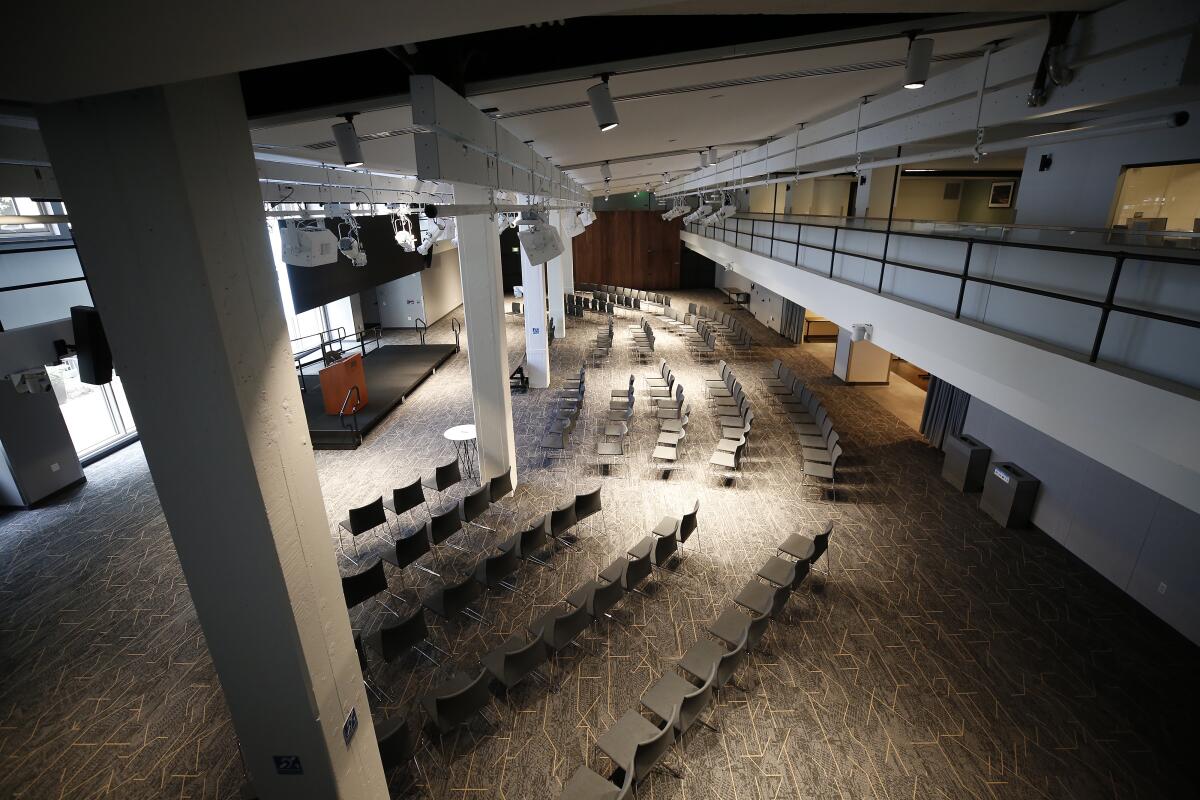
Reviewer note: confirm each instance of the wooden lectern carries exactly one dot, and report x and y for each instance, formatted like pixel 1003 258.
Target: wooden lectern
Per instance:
pixel 336 380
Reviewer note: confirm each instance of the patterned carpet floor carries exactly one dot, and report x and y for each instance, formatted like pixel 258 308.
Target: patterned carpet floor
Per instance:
pixel 943 657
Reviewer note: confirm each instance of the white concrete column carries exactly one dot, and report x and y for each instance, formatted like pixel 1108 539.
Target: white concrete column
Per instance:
pixel 567 260
pixel 554 285
pixel 537 342
pixel 167 215
pixel 487 345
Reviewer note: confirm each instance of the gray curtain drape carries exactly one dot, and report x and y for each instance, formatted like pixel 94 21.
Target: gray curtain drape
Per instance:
pixel 945 411
pixel 791 324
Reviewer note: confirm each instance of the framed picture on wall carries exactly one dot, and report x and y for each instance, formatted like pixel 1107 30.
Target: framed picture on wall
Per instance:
pixel 1001 195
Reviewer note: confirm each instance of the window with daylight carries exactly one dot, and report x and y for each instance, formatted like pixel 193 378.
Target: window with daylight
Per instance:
pixel 28 207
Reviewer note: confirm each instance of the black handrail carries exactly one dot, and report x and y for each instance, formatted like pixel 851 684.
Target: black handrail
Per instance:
pixel 421 327
pixel 353 390
pixel 456 326
pixel 1106 306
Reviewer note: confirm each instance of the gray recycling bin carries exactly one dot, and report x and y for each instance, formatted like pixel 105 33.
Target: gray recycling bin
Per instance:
pixel 966 462
pixel 1009 493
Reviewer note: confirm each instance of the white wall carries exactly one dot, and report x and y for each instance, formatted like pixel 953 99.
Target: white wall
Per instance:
pixel 1131 535
pixel 924 198
pixel 44 303
pixel 1081 184
pixel 441 285
pixel 401 302
pixel 765 305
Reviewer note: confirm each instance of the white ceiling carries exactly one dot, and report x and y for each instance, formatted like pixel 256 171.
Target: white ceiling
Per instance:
pixel 696 119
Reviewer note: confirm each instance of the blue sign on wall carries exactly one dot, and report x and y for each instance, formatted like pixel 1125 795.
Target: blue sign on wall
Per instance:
pixel 350 726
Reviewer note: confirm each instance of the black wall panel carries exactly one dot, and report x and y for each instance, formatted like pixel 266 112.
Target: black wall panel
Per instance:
pixel 316 286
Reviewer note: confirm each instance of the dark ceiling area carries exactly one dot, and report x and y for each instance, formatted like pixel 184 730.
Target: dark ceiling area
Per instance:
pixel 508 52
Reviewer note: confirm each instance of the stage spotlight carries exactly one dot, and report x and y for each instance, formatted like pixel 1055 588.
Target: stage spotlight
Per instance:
pixel 540 241
pixel 602 105
pixel 916 70
pixel 700 213
pixel 605 172
pixel 703 159
pixel 348 145
pixel 402 229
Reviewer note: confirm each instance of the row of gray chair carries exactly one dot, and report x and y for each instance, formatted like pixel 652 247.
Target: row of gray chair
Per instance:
pixel 677 702
pixel 641 295
pixel 727 394
pixel 810 420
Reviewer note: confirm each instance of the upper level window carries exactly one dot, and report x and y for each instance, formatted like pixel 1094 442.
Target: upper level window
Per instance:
pixel 1162 197
pixel 26 207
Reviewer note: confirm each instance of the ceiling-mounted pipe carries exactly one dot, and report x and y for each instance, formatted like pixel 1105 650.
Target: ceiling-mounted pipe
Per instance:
pixel 1175 120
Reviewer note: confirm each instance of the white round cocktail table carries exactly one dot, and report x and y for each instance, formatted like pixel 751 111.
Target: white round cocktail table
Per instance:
pixel 463 439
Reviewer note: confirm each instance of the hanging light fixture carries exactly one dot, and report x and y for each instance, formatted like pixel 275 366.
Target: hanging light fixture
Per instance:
pixel 602 105
pixel 916 69
pixel 605 171
pixel 349 148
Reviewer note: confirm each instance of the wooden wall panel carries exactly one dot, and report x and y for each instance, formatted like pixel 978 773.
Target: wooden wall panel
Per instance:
pixel 629 248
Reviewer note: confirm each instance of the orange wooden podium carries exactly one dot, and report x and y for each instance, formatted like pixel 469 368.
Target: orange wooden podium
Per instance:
pixel 336 380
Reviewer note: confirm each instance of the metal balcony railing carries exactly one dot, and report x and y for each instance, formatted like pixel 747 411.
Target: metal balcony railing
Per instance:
pixel 1118 299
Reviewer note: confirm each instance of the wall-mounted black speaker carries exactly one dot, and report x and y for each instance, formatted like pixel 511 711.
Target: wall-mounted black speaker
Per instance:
pixel 91 345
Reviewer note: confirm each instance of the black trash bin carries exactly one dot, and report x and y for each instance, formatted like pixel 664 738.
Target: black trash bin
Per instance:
pixel 1009 493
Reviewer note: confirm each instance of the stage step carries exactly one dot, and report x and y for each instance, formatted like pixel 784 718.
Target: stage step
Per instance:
pixel 335 440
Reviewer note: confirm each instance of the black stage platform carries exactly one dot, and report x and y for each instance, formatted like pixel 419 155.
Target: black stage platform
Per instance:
pixel 392 372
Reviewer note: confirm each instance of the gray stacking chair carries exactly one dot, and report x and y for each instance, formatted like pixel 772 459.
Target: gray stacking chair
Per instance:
pixel 732 626
pixel 398 740
pixel 672 691
pixel 659 379
pixel 622 392
pixel 365 585
pixel 494 571
pixel 364 519
pixel 590 504
pixel 675 424
pixel 637 745
pixel 700 658
pixel 451 599
pixel 443 477
pixel 681 528
pixel 618 451
pixel 558 629
pixel 407 550
pixel 660 549
pixel 630 572
pixel 562 520
pixel 819 469
pixel 666 456
pixel 516 659
pixel 663 391
pixel 474 505
pixel 619 422
pixel 784 572
pixel 672 438
pixel 771 376
pixel 735 419
pixel 406 498
pixel 761 598
pixel 728 464
pixel 805 549
pixel 814 428
pixel 557 444
pixel 787 382
pixel 530 541
pixel 455 701
pixel 824 453
pixel 598 596
pixel 443 525
pixel 499 487
pixel 733 428
pixel 394 640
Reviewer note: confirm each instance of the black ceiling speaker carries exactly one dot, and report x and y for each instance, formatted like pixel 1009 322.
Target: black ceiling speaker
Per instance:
pixel 91 345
